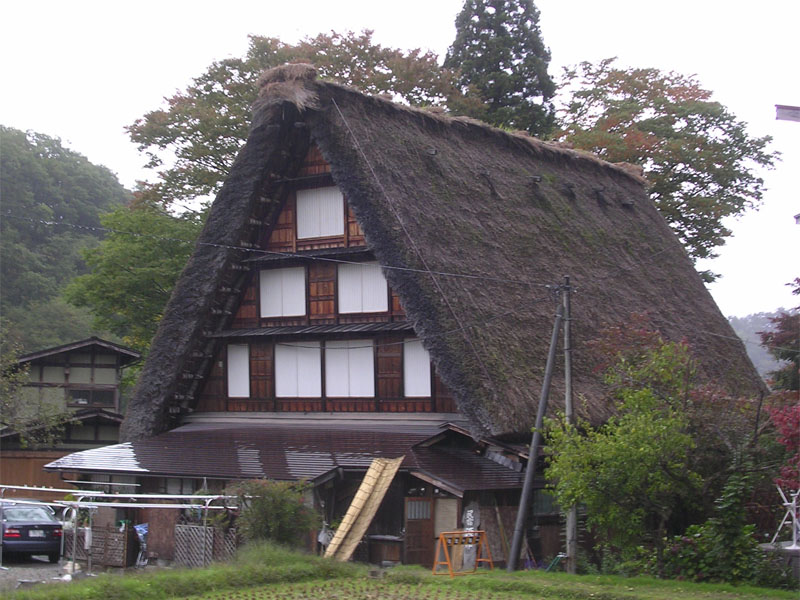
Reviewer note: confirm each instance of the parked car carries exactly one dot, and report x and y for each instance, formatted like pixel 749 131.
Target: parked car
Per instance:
pixel 29 529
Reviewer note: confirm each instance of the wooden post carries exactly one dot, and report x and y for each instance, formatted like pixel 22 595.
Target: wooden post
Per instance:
pixel 522 511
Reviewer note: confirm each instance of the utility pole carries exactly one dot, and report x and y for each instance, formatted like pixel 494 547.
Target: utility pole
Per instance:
pixel 530 470
pixel 572 514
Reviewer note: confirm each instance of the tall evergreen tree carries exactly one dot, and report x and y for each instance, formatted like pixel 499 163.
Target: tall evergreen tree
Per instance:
pixel 500 55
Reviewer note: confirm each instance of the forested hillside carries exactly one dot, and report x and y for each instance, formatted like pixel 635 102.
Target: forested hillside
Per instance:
pixel 50 199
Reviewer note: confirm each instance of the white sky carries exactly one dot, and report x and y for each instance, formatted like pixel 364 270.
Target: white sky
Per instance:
pixel 83 70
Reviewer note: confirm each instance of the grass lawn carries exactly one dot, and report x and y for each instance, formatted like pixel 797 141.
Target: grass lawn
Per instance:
pixel 271 573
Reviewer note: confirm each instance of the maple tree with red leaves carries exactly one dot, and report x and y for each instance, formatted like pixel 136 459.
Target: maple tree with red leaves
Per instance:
pixel 783 342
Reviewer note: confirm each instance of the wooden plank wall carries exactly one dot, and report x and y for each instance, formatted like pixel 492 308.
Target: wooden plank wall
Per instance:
pixel 24 467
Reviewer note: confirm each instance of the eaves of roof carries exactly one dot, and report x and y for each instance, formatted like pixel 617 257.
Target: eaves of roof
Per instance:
pixel 128 354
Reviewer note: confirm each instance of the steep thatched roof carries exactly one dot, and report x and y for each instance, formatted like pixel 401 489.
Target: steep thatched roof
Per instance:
pixel 444 195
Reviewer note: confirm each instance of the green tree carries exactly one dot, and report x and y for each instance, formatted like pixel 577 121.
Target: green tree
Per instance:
pixel 632 472
pixel 202 128
pixel 698 157
pixel 52 199
pixel 134 270
pixel 501 58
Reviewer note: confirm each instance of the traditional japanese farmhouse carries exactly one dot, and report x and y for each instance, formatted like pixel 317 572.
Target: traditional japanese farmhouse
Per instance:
pixel 81 378
pixel 377 281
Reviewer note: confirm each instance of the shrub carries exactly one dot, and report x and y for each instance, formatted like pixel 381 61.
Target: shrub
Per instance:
pixel 275 511
pixel 724 548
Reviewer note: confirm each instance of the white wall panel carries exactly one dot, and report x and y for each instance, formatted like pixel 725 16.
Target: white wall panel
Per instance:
pixel 309 370
pixel 362 369
pixel 53 375
pixel 238 371
pixel 416 370
pixel 374 291
pixel 337 369
pixel 105 376
pixel 283 292
pixel 349 288
pixel 297 370
pixel 80 375
pixel 320 212
pixel 349 369
pixel 362 288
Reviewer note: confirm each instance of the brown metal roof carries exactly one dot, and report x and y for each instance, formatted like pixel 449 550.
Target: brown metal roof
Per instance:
pixel 292 451
pixel 462 470
pixel 315 329
pixel 271 451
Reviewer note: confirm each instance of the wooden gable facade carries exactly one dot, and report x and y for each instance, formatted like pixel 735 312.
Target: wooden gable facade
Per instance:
pixel 318 305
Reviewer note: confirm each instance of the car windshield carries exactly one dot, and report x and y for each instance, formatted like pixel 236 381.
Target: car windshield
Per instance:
pixel 36 514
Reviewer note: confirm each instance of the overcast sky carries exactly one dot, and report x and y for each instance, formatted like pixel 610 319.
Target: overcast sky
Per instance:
pixel 82 70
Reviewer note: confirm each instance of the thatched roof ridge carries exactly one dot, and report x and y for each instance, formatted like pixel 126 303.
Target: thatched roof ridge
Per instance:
pixel 448 195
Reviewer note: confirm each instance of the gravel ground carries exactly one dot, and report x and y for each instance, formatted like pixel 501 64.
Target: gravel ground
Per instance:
pixel 27 570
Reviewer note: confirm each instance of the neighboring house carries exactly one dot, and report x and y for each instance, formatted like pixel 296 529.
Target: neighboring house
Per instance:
pixel 376 281
pixel 82 378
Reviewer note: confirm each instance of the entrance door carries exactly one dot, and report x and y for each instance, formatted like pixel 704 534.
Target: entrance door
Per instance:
pixel 419 542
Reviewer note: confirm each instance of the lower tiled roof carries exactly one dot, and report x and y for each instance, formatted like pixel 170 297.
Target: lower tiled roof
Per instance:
pixel 291 451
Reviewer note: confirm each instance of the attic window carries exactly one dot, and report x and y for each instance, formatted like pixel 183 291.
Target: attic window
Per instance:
pixel 362 289
pixel 283 292
pixel 416 370
pixel 320 212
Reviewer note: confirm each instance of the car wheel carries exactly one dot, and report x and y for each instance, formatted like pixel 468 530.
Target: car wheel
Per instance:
pixel 53 557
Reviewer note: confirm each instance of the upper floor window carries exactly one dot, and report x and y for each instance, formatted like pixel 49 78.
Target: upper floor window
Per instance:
pixel 349 369
pixel 416 370
pixel 298 370
pixel 362 288
pixel 238 371
pixel 283 292
pixel 320 212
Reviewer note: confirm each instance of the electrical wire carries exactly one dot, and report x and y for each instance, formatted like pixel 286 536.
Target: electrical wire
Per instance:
pixel 281 254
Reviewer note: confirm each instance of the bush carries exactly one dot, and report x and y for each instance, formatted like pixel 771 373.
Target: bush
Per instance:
pixel 702 554
pixel 275 511
pixel 724 548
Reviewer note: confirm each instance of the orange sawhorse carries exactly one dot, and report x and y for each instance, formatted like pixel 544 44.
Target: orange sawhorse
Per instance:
pixel 451 540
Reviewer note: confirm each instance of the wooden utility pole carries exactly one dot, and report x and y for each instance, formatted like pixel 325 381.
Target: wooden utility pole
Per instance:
pixel 572 514
pixel 530 470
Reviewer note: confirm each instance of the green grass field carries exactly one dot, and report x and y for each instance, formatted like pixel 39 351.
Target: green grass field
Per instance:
pixel 272 573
